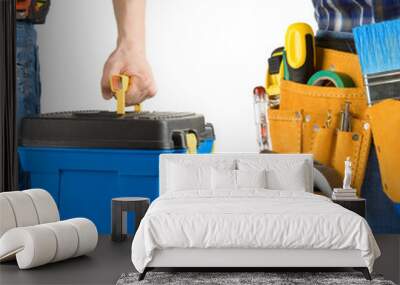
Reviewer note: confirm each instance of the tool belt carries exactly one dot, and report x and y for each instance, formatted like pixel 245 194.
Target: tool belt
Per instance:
pixel 308 118
pixel 385 126
pixel 32 11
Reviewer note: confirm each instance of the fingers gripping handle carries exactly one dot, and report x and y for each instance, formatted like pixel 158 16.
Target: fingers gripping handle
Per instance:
pixel 119 85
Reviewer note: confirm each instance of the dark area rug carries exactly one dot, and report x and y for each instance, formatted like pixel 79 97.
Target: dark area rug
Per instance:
pixel 269 278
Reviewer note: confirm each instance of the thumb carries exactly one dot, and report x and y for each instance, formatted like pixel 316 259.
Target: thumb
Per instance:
pixel 105 81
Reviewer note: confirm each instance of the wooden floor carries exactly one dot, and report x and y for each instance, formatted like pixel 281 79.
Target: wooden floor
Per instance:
pixel 110 260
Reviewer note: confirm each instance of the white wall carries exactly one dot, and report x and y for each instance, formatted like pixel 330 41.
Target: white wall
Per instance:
pixel 207 55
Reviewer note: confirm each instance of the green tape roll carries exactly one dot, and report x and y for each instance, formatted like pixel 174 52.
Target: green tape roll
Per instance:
pixel 329 78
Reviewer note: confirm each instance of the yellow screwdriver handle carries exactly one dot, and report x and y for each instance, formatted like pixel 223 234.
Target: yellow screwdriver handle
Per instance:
pixel 119 84
pixel 300 53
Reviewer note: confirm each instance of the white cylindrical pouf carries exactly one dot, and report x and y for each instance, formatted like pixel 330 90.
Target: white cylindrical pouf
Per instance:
pixel 33 246
pixel 45 205
pixel 67 239
pixel 7 218
pixel 87 233
pixel 23 207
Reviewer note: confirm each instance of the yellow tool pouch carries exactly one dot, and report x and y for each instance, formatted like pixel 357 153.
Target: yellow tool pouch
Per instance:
pixel 285 126
pixel 385 124
pixel 322 144
pixel 308 118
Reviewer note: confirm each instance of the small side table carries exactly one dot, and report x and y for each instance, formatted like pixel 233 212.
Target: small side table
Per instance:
pixel 119 209
pixel 357 205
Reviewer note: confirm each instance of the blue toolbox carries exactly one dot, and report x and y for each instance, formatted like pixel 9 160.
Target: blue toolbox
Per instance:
pixel 86 158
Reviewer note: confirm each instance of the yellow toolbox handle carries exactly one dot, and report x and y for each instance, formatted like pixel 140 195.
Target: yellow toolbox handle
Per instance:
pixel 119 84
pixel 191 143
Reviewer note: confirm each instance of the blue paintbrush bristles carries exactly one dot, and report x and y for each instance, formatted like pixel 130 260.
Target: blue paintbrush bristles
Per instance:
pixel 378 46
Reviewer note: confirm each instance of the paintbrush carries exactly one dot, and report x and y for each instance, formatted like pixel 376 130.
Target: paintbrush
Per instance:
pixel 378 48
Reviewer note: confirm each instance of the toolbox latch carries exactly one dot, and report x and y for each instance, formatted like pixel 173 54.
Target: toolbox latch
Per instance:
pixel 191 143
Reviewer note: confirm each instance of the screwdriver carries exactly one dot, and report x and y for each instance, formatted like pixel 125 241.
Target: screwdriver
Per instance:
pixel 345 118
pixel 299 55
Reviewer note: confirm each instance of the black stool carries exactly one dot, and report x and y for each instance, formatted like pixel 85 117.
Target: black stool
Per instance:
pixel 119 209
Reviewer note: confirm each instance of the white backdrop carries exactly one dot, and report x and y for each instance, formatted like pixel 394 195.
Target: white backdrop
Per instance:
pixel 207 55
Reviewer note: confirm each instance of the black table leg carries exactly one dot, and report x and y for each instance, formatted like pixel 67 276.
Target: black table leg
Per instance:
pixel 116 223
pixel 119 214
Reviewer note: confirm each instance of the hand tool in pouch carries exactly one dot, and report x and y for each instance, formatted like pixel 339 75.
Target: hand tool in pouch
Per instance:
pixel 378 47
pixel 33 11
pixel 345 118
pixel 119 84
pixel 261 118
pixel 299 55
pixel 274 76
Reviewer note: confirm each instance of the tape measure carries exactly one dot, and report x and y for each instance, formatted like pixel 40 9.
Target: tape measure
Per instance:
pixel 329 78
pixel 274 72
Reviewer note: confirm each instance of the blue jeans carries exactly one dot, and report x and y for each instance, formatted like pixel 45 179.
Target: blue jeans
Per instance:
pixel 28 79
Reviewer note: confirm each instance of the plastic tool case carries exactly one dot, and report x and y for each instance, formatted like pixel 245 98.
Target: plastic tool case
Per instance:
pixel 86 158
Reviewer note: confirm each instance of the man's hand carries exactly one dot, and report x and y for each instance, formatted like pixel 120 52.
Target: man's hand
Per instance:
pixel 129 61
pixel 129 57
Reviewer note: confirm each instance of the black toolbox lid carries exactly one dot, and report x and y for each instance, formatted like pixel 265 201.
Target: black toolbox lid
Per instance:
pixel 104 129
